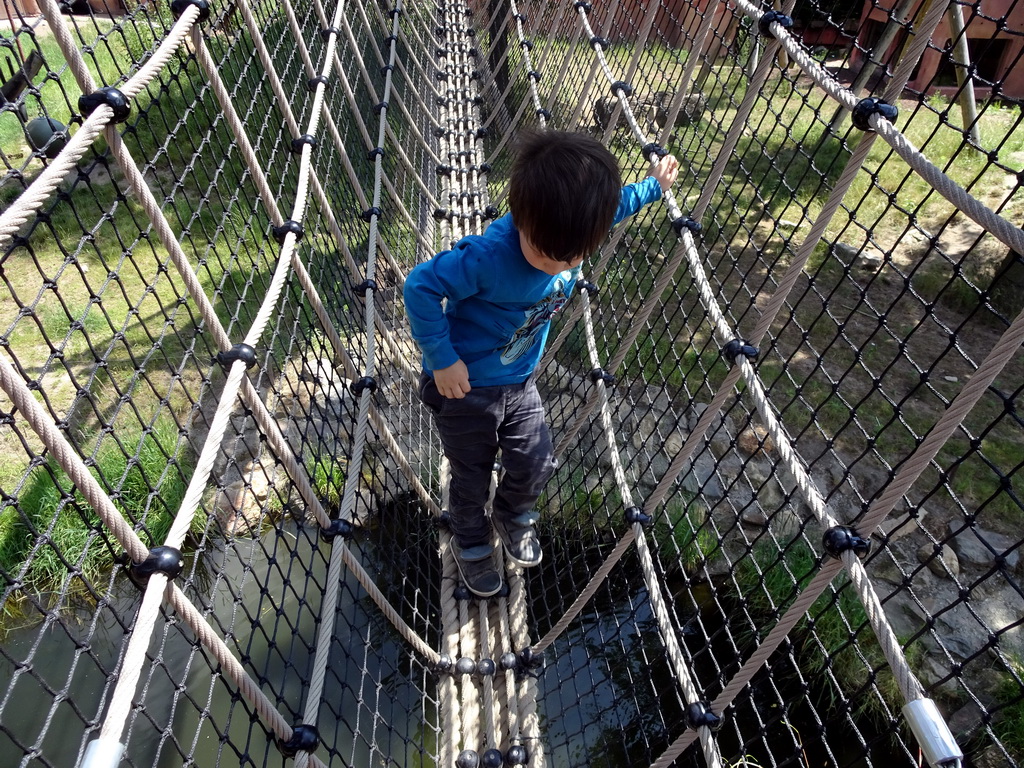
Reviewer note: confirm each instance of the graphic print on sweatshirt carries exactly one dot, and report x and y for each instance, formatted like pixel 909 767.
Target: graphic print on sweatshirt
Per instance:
pixel 537 317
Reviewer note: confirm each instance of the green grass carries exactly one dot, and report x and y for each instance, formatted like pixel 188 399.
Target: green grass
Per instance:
pixel 52 540
pixel 327 475
pixel 683 535
pixel 833 641
pixel 1009 723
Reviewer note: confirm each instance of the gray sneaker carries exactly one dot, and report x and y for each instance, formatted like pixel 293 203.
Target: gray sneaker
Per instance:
pixel 476 566
pixel 519 538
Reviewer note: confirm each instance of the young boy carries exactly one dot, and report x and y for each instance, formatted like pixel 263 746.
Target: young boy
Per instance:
pixel 481 347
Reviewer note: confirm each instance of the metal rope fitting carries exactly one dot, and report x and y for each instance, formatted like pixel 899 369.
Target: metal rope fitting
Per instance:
pixel 591 289
pixel 380 107
pixel 305 738
pixel 465 666
pixel 112 97
pixel 699 714
pixel 486 667
pixel 491 212
pixel 534 75
pixel 442 213
pixel 637 515
pixel 509 661
pixel 243 352
pixel 443 664
pixel 444 170
pixel 485 168
pixel 467 758
pixel 300 141
pixel 865 108
pixel 178 7
pixel 516 755
pixel 367 382
pixel 369 213
pixel 654 149
pixel 165 560
pixel 528 660
pixel 582 5
pixel 366 285
pixel 735 348
pixel 684 222
pixel 597 42
pixel 544 113
pixel 375 153
pixel 840 538
pixel 290 226
pixel 764 24
pixel 527 45
pixel 600 374
pixel 337 528
pixel 328 31
pixel 622 85
pixel 492 758
pixel 313 82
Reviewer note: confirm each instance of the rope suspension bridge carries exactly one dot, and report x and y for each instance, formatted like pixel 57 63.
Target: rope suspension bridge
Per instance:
pixel 785 526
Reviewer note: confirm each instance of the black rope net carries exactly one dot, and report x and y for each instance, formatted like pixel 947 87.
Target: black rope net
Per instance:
pixel 787 406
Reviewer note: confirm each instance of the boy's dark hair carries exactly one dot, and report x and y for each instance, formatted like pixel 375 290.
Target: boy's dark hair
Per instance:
pixel 563 192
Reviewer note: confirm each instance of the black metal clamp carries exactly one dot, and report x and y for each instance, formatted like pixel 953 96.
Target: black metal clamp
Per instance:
pixel 339 527
pixel 165 560
pixel 301 141
pixel 366 285
pixel 243 352
pixel 112 97
pixel 841 538
pixel 622 85
pixel 764 24
pixel 600 374
pixel 865 108
pixel 735 348
pixel 304 738
pixel 685 222
pixel 363 384
pixel 178 7
pixel 637 515
pixel 699 714
pixel 288 227
pixel 654 149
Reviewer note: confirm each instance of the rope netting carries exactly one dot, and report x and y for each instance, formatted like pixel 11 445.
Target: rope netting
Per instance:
pixel 785 401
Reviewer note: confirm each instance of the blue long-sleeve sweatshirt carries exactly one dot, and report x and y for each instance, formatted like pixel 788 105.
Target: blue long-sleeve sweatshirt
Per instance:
pixel 499 307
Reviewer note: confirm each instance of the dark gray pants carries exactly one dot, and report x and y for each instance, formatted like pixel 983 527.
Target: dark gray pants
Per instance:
pixel 473 429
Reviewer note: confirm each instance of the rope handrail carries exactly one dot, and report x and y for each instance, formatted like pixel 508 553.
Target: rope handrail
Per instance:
pixel 477 710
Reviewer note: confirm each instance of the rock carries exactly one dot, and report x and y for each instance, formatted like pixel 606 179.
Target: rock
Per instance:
pixel 786 523
pixel 978 547
pixel 965 722
pixel 897 526
pixel 238 511
pixel 754 440
pixel 951 379
pixel 754 515
pixel 993 757
pixel 870 260
pixel 867 257
pixel 770 495
pixel 720 432
pixel 943 564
